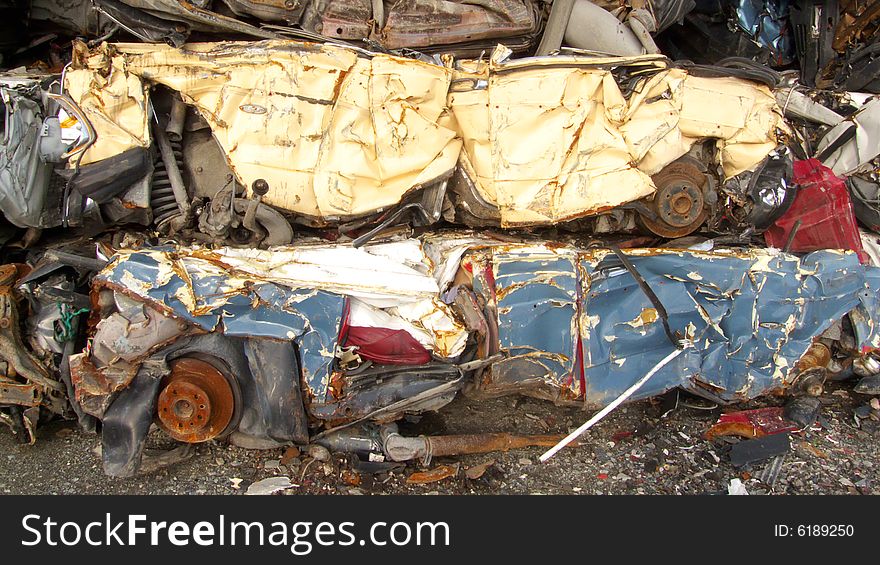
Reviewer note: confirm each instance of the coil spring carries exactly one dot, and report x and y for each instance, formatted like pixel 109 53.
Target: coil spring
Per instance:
pixel 162 199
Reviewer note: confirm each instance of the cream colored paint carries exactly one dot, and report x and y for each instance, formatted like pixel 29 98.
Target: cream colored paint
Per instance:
pixel 334 134
pixel 550 142
pixel 112 99
pixel 338 135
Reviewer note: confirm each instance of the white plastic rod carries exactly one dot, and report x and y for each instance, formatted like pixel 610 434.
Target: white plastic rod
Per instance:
pixel 614 404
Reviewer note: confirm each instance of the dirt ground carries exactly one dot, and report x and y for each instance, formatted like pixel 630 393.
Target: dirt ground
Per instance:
pixel 650 447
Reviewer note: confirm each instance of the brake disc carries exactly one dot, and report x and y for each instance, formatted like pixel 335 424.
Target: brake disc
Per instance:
pixel 678 202
pixel 196 401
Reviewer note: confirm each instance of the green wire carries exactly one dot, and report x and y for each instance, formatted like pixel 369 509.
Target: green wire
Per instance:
pixel 66 331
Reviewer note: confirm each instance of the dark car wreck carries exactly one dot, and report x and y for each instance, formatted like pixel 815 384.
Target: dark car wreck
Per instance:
pixel 281 223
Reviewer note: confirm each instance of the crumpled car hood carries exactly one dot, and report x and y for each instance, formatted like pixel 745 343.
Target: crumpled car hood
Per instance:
pixel 334 134
pixel 339 133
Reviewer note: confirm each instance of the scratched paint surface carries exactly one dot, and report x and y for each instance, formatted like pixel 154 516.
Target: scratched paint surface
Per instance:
pixel 340 133
pixel 549 139
pixel 309 318
pixel 573 325
pixel 751 317
pixel 333 132
pixel 536 293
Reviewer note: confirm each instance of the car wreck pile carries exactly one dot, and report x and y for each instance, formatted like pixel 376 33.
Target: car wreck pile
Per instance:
pixel 280 223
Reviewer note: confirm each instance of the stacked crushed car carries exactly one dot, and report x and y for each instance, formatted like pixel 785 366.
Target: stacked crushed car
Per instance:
pixel 278 224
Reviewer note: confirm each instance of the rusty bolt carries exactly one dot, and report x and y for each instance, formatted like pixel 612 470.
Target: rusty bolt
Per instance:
pixel 290 4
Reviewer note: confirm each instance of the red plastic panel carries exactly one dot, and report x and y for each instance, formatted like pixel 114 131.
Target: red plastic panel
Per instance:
pixel 387 346
pixel 824 208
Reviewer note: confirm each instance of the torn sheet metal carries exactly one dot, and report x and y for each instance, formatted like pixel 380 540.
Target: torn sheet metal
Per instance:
pixel 854 154
pixel 192 291
pixel 431 24
pixel 78 16
pixel 555 138
pixel 796 104
pixel 751 316
pixel 204 286
pixel 766 22
pixel 334 133
pixel 26 382
pixel 536 296
pixel 113 100
pixel 338 133
pixel 196 16
pixel 558 322
pixel 24 173
pixel 594 28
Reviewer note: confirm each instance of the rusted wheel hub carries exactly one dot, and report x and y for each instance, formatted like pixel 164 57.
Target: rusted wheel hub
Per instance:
pixel 678 202
pixel 196 401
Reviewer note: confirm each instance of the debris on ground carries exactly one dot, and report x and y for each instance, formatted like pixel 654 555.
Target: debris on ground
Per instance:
pixel 754 450
pixel 751 423
pixel 270 486
pixel 736 487
pixel 302 229
pixel 436 474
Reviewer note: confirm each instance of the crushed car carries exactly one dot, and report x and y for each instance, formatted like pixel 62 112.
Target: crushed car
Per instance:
pixel 361 142
pixel 278 224
pixel 312 343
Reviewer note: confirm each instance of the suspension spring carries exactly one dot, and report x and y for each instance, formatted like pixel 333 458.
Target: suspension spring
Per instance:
pixel 162 196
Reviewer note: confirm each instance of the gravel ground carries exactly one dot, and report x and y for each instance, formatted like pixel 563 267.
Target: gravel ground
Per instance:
pixel 643 448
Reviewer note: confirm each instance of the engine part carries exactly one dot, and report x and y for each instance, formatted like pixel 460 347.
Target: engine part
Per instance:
pixel 259 188
pixel 204 163
pixel 272 228
pixel 171 158
pixel 162 198
pixel 811 370
pixel 679 202
pixel 12 350
pixel 176 120
pixel 197 401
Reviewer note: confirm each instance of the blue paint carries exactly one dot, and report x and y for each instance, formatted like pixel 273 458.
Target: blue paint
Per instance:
pixel 309 318
pixel 757 321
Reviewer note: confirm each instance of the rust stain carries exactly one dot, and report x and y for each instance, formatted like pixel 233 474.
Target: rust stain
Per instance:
pixel 196 402
pixel 740 429
pixel 434 475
